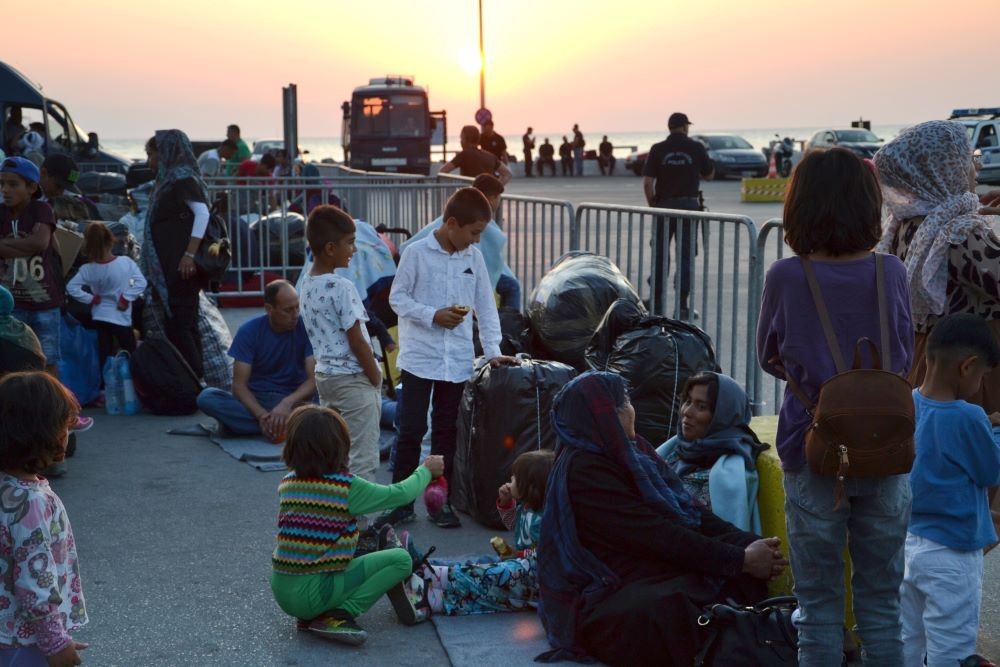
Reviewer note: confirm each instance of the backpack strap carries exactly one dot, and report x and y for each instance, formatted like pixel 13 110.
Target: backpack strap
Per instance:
pixel 824 315
pixel 883 311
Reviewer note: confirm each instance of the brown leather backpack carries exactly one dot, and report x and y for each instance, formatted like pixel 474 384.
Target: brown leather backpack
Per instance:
pixel 863 423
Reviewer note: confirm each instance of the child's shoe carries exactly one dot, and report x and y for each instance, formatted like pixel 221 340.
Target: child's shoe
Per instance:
pixel 446 518
pixel 337 625
pixel 82 424
pixel 407 613
pixel 395 517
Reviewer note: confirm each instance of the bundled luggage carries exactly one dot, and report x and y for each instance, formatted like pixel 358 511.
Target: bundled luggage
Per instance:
pixel 164 382
pixel 570 301
pixel 505 412
pixel 656 356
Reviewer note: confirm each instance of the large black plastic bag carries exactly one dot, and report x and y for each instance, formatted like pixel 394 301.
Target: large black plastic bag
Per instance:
pixel 656 355
pixel 570 301
pixel 505 412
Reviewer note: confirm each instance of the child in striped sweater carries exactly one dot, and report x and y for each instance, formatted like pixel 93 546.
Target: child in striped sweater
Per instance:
pixel 315 576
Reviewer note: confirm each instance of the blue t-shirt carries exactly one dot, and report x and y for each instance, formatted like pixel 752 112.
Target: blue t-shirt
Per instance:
pixel 277 360
pixel 958 457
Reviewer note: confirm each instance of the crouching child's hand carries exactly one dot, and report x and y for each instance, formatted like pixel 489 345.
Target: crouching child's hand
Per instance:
pixel 435 464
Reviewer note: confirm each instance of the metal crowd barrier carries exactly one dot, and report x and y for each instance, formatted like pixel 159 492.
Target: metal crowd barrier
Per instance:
pixel 767 392
pixel 728 257
pixel 648 245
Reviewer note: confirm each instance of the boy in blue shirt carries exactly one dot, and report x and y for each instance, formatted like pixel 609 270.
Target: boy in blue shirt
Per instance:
pixel 950 525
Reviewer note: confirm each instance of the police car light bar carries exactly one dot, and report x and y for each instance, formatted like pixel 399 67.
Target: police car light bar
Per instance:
pixel 965 113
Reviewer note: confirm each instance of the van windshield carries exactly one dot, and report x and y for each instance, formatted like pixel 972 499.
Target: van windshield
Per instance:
pixel 391 115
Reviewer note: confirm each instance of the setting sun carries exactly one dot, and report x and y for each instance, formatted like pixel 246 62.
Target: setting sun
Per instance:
pixel 469 60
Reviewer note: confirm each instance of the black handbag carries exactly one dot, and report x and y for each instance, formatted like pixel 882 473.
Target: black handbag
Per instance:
pixel 215 253
pixel 759 635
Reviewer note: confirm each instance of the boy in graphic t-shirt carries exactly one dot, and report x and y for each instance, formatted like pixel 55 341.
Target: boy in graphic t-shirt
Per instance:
pixel 347 376
pixel 30 266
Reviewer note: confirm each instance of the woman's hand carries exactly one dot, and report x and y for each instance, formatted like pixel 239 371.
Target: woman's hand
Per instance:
pixel 435 464
pixel 763 560
pixel 186 268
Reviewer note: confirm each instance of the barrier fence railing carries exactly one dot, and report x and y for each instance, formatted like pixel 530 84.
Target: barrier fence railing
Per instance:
pixel 725 253
pixel 768 392
pixel 719 251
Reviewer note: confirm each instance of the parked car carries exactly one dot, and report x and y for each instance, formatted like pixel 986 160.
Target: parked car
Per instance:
pixel 983 126
pixel 636 160
pixel 863 142
pixel 733 155
pixel 262 147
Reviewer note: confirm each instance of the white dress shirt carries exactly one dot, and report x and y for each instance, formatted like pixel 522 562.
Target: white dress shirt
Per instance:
pixel 430 278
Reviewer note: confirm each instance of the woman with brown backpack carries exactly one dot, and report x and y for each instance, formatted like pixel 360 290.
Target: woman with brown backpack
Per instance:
pixel 842 449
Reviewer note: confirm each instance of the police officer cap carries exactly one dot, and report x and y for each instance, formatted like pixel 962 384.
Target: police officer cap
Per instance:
pixel 677 120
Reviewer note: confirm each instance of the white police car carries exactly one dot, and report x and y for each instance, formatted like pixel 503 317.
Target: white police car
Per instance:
pixel 983 126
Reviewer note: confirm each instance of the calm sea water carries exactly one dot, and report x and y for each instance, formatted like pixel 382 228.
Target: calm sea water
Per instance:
pixel 329 147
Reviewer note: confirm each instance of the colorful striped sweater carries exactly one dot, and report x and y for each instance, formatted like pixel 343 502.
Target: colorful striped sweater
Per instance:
pixel 317 529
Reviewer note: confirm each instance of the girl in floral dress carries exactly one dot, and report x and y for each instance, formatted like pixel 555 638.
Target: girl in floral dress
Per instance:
pixel 41 601
pixel 487 584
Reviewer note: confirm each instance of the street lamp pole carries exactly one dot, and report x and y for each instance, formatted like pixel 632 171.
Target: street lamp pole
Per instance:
pixel 482 61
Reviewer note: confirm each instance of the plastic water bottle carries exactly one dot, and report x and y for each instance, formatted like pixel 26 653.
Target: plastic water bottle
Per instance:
pixel 112 387
pixel 123 369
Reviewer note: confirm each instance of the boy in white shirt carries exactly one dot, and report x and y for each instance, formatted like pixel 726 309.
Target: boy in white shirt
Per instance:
pixel 347 375
pixel 440 279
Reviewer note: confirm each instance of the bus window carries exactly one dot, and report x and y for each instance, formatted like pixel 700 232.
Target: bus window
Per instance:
pixel 374 117
pixel 409 115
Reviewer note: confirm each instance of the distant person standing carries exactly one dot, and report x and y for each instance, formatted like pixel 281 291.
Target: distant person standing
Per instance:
pixel 606 158
pixel 473 161
pixel 578 144
pixel 546 158
pixel 242 150
pixel 492 142
pixel 566 156
pixel 529 145
pixel 672 176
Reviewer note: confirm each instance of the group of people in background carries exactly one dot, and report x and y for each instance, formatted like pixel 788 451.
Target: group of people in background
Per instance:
pixel 571 152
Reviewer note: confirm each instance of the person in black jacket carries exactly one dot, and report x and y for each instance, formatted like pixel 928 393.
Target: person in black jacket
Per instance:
pixel 627 558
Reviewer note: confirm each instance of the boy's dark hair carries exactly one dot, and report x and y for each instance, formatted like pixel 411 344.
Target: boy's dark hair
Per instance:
pixel 97 240
pixel 532 472
pixel 957 337
pixel 469 135
pixel 709 380
pixel 488 184
pixel 230 144
pixel 36 412
pixel 327 224
pixel 272 290
pixel 268 161
pixel 833 204
pixel 468 206
pixel 234 128
pixel 318 442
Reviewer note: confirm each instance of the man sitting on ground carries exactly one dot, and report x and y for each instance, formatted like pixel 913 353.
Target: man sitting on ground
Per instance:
pixel 272 373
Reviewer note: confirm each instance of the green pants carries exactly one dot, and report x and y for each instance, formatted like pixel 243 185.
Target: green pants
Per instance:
pixel 353 590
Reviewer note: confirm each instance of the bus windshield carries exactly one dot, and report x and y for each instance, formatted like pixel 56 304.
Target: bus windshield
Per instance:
pixel 391 115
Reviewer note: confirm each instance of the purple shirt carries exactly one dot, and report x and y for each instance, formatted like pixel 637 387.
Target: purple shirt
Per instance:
pixel 789 328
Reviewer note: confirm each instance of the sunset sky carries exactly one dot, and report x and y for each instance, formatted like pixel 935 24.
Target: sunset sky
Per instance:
pixel 125 68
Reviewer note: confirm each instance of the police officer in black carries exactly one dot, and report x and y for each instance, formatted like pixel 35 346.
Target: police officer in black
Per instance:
pixel 672 176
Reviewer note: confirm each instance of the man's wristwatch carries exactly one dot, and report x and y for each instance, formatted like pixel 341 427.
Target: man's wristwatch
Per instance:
pixel 189 254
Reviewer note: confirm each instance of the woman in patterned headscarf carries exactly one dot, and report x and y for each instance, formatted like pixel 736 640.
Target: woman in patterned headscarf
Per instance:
pixel 175 224
pixel 952 256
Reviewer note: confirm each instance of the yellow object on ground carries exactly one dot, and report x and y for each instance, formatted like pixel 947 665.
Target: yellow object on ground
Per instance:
pixel 763 189
pixel 771 501
pixel 394 332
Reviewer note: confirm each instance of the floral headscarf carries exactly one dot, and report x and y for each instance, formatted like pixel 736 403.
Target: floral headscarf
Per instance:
pixel 176 163
pixel 925 172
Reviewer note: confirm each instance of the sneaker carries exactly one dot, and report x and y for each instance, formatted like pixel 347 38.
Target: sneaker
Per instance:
pixel 395 517
pixel 83 424
pixel 387 538
pixel 339 626
pixel 446 518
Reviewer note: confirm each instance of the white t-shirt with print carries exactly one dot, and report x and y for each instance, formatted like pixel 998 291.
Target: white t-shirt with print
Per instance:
pixel 330 306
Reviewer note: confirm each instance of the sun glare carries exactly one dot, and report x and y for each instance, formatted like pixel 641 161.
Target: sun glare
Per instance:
pixel 469 61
